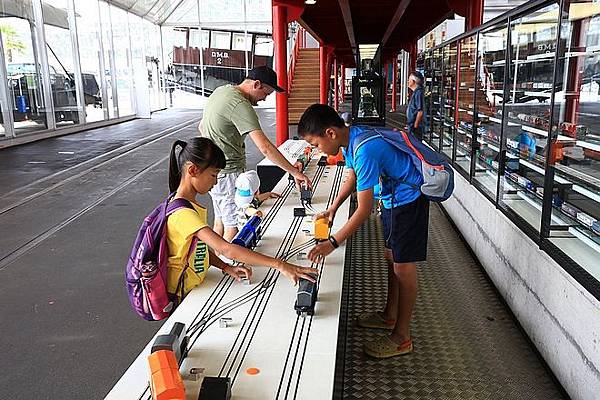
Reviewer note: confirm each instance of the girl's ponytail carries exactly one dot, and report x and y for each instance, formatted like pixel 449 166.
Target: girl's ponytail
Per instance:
pixel 175 165
pixel 203 152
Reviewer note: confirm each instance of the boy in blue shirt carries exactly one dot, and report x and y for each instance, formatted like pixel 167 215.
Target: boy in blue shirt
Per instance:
pixel 405 218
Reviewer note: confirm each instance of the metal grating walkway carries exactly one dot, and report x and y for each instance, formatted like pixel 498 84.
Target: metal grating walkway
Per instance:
pixel 467 344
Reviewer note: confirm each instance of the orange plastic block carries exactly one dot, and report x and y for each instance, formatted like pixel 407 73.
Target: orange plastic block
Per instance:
pixel 321 229
pixel 165 379
pixel 333 160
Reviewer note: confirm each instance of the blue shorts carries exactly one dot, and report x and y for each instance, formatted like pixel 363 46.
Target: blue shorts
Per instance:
pixel 405 230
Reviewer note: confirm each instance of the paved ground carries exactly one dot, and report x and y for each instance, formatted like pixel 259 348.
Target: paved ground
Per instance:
pixel 67 227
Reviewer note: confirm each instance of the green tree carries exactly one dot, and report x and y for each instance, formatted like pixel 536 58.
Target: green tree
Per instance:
pixel 11 41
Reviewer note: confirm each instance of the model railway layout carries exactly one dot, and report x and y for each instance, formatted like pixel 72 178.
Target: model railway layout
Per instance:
pixel 269 339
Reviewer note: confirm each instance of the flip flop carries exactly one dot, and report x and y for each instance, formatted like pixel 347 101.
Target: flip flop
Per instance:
pixel 385 347
pixel 375 320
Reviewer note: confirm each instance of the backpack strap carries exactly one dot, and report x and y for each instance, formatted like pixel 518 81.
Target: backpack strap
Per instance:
pixel 177 204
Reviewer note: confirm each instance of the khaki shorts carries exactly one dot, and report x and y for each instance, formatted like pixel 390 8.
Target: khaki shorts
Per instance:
pixel 223 199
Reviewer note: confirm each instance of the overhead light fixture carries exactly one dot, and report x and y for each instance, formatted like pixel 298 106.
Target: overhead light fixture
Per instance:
pixel 310 1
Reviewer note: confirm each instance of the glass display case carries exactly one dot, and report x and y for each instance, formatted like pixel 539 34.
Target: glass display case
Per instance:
pixel 436 98
pixel 574 160
pixel 467 48
pixel 526 112
pixel 515 105
pixel 489 91
pixel 448 108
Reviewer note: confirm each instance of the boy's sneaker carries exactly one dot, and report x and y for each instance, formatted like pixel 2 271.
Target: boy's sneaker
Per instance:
pixel 385 347
pixel 375 320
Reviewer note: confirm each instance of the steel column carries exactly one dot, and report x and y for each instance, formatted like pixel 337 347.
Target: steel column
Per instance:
pixel 281 100
pixel 343 80
pixel 394 81
pixel 336 88
pixel 323 78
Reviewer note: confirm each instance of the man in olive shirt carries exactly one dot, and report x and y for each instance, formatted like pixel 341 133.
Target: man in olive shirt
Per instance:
pixel 228 118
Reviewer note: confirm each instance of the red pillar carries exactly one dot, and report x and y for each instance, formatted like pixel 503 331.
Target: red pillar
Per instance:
pixel 394 81
pixel 281 100
pixel 412 53
pixel 343 80
pixel 475 17
pixel 323 78
pixel 336 88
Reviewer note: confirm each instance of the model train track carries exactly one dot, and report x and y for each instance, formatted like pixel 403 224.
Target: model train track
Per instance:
pixel 294 361
pixel 213 310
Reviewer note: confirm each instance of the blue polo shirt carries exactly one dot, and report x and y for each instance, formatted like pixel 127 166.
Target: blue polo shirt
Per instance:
pixel 377 158
pixel 416 104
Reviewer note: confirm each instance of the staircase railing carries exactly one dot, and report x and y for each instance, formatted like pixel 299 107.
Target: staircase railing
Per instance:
pixel 299 43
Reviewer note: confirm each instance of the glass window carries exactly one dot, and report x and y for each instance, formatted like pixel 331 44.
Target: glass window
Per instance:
pixel 263 51
pixel 109 60
pixel 242 42
pixel 90 57
pixel 466 106
pixel 61 61
pixel 526 121
pixel 220 40
pixel 122 55
pixel 24 77
pixel 448 108
pixel 489 93
pixel 575 145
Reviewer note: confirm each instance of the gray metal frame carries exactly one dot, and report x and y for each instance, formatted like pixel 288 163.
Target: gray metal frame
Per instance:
pixel 79 93
pixel 40 49
pixel 6 96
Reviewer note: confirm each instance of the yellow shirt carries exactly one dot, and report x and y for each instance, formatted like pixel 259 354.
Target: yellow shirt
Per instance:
pixel 182 226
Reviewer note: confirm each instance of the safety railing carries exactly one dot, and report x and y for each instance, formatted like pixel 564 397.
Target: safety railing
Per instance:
pixel 299 43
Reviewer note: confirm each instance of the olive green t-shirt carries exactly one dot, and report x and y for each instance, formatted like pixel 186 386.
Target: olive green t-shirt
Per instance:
pixel 228 118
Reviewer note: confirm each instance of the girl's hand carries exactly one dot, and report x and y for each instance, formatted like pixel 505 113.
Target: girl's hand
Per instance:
pixel 238 272
pixel 295 272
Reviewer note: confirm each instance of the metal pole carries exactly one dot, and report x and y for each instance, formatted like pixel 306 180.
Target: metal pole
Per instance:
pixel 394 81
pixel 336 88
pixel 102 64
pixel 343 80
pixel 281 100
pixel 322 74
pixel 201 52
pixel 45 67
pixel 79 94
pixel 5 96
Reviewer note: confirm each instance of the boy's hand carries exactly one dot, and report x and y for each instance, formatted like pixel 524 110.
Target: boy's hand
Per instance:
pixel 238 272
pixel 328 214
pixel 320 251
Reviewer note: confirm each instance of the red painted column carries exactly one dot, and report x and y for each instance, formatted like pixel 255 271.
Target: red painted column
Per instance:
pixel 343 80
pixel 281 99
pixel 475 17
pixel 394 81
pixel 323 78
pixel 336 87
pixel 412 53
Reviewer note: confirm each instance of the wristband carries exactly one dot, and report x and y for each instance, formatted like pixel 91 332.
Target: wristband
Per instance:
pixel 333 242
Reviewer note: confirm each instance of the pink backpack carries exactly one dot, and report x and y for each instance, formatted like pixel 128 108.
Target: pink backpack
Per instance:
pixel 146 270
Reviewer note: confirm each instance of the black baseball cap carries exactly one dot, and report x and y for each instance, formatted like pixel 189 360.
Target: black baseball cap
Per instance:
pixel 266 75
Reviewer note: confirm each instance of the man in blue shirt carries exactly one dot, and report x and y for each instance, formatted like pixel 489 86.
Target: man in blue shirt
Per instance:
pixel 415 112
pixel 405 217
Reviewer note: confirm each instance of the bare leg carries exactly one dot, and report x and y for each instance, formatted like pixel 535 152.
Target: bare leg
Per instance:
pixel 391 305
pixel 230 232
pixel 406 274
